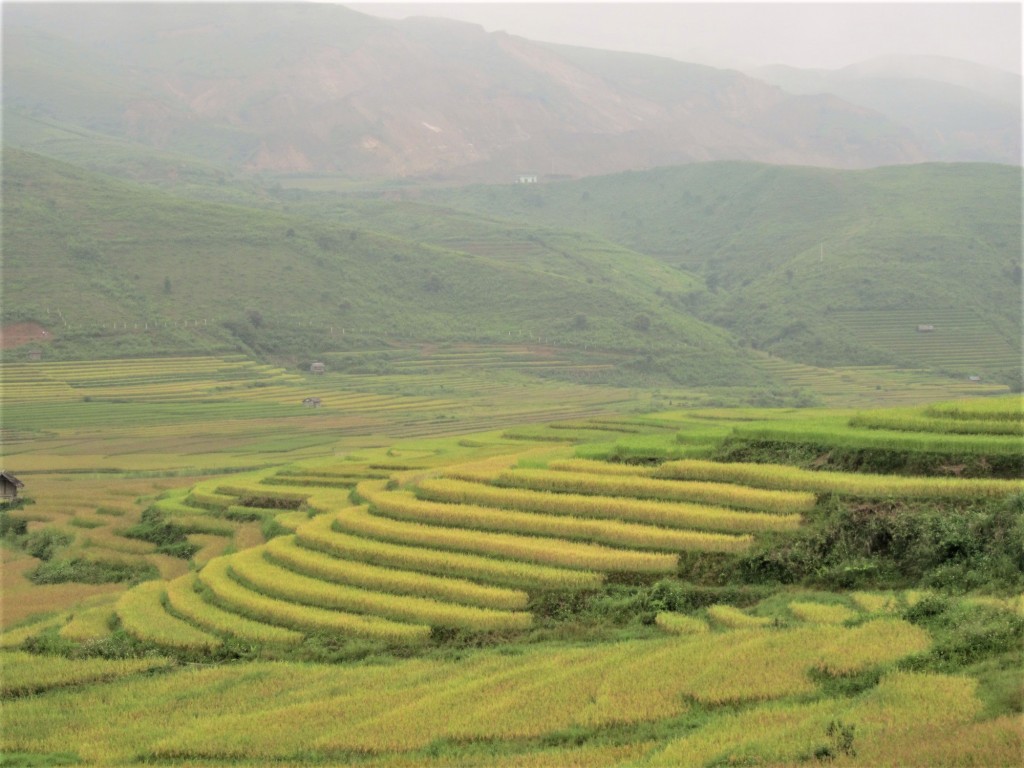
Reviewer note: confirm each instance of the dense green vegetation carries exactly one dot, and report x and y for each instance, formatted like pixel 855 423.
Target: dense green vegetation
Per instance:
pixel 822 266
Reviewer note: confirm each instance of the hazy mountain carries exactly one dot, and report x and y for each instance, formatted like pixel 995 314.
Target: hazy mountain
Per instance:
pixel 319 88
pixel 957 110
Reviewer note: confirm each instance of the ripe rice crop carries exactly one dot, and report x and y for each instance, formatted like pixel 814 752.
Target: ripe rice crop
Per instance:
pixel 26 673
pixel 88 625
pixel 820 613
pixel 1009 408
pixel 533 549
pixel 599 467
pixel 875 602
pixel 284 551
pixel 847 483
pixel 681 624
pixel 783 502
pixel 143 616
pixel 862 645
pixel 229 592
pixel 319 534
pixel 275 581
pixel 878 439
pixel 208 500
pixel 183 600
pixel 734 618
pixel 911 422
pixel 667 514
pixel 405 506
pixel 12 638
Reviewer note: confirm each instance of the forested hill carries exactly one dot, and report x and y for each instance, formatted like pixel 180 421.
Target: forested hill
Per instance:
pixel 820 265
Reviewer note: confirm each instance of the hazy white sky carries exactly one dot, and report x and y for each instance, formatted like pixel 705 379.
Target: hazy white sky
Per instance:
pixel 744 34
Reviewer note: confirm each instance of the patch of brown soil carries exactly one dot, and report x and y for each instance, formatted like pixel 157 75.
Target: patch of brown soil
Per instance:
pixel 19 334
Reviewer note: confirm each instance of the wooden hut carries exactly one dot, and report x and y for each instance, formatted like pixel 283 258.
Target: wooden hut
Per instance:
pixel 317 368
pixel 9 486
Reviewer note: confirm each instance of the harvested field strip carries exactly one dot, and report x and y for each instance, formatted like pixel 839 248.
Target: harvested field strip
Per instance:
pixel 26 673
pixel 274 581
pixel 885 440
pixel 532 549
pixel 317 481
pixel 847 483
pixel 143 616
pixel 661 513
pixel 319 534
pixel 908 422
pixel 284 551
pixel 189 604
pixel 405 506
pixel 782 502
pixel 229 593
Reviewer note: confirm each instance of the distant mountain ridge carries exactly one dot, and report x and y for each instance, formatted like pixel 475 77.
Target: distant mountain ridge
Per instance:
pixel 322 89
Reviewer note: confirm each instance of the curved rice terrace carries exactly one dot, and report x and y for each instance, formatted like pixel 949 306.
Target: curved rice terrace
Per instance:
pixel 619 580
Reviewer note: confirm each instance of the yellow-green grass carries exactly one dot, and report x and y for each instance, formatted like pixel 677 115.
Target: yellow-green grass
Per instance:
pixel 25 673
pixel 778 476
pixel 143 616
pixel 186 602
pixel 232 595
pixel 730 495
pixel 734 618
pixel 274 581
pixel 284 551
pixel 405 506
pixel 681 624
pixel 666 514
pixel 269 711
pixel 12 638
pixel 822 613
pixel 531 549
pixel 319 534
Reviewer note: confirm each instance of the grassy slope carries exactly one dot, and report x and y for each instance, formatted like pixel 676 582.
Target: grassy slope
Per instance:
pixel 104 251
pixel 782 248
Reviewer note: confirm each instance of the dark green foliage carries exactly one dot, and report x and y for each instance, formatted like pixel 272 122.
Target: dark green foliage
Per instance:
pixel 84 571
pixel 45 542
pixel 893 544
pixel 11 525
pixel 170 538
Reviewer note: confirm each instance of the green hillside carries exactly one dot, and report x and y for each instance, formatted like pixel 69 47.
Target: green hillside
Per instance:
pixel 789 253
pixel 92 259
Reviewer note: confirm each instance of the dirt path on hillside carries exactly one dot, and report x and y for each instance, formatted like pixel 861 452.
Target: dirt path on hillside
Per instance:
pixel 19 334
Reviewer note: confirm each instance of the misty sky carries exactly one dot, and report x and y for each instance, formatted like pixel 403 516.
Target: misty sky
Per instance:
pixel 739 35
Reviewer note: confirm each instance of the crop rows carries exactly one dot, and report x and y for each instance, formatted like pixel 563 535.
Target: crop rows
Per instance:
pixel 848 483
pixel 781 502
pixel 285 551
pixel 273 580
pixel 228 592
pixel 143 616
pixel 184 601
pixel 26 673
pixel 906 422
pixel 667 514
pixel 410 554
pixel 532 549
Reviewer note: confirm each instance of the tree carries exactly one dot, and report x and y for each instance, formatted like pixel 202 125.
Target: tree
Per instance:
pixel 256 318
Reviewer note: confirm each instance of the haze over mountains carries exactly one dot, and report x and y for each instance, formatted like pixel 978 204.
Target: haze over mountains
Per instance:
pixel 321 89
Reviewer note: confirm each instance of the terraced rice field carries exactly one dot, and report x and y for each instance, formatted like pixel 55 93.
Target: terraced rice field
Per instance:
pixel 959 341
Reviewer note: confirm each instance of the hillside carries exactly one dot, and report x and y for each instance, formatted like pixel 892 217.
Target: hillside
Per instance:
pixel 318 88
pixel 113 266
pixel 958 110
pixel 796 260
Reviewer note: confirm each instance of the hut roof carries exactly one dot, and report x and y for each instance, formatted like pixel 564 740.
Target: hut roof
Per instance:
pixel 11 479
